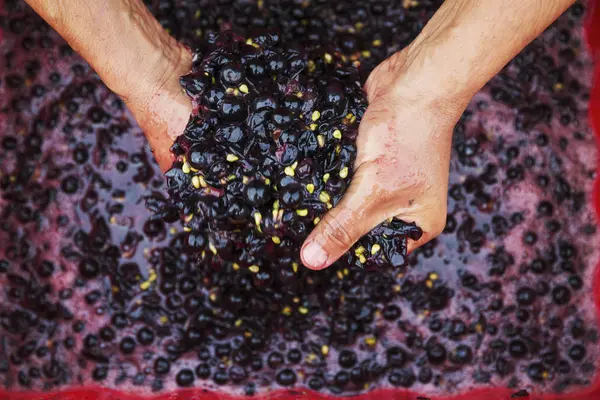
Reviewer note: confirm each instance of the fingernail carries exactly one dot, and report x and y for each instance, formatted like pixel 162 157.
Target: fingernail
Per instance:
pixel 314 255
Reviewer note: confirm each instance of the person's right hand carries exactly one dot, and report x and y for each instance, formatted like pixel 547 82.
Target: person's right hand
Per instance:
pixel 150 88
pixel 158 103
pixel 402 163
pixel 134 56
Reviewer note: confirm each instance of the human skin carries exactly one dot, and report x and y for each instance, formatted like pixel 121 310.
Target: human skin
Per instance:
pixel 415 98
pixel 134 56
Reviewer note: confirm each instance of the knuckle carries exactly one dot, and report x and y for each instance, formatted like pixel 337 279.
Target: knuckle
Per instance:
pixel 336 234
pixel 396 62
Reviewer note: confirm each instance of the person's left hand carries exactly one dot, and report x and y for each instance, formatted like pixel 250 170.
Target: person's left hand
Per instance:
pixel 401 168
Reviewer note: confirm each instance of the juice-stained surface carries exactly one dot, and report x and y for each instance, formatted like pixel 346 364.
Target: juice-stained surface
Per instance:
pixel 505 291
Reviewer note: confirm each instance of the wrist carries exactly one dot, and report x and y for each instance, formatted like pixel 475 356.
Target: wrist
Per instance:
pixel 122 41
pixel 158 71
pixel 411 79
pixel 145 74
pixel 134 56
pixel 432 73
pixel 142 58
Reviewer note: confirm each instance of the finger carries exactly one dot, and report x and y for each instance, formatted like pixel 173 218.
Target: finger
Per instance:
pixel 432 224
pixel 342 226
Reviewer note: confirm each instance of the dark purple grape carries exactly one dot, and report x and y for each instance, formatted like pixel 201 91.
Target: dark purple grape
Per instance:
pixel 233 134
pixel 282 118
pixel 257 193
pixel 291 196
pixel 277 64
pixel 233 109
pixel 256 68
pixel 232 74
pixel 265 101
pixel 194 84
pixel 286 377
pixel 185 377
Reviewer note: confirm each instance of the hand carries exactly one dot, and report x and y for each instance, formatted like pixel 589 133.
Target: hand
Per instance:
pixel 416 97
pixel 160 107
pixel 151 91
pixel 402 164
pixel 134 56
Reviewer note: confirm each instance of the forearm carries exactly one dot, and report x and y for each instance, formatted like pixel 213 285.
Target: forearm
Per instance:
pixel 467 42
pixel 120 39
pixel 134 56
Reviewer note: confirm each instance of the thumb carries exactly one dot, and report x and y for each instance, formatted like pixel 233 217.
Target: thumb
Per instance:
pixel 342 226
